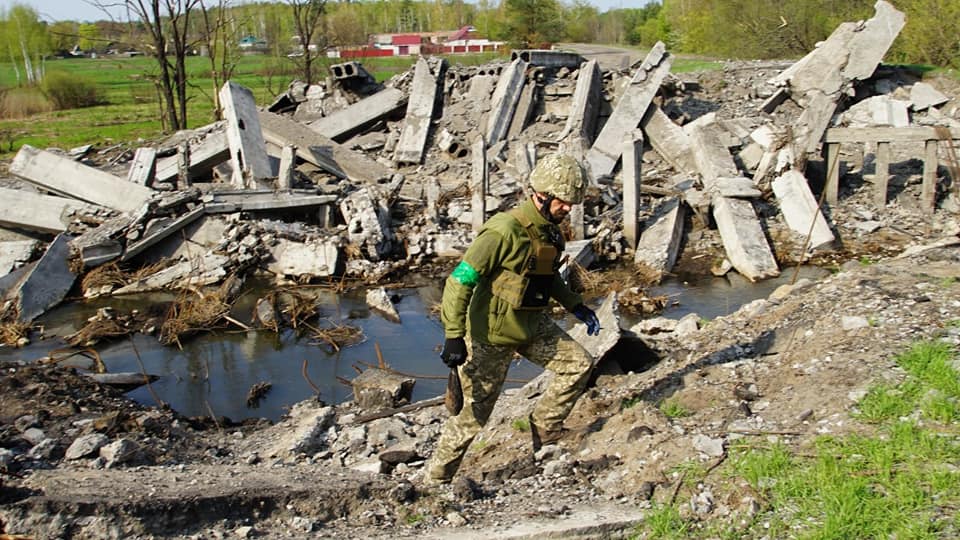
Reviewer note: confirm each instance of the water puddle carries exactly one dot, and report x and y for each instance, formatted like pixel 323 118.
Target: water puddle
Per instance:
pixel 215 370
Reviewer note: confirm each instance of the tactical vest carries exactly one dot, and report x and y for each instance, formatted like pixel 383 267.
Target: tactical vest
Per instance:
pixel 530 289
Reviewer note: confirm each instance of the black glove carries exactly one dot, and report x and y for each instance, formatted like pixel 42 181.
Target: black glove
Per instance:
pixel 454 352
pixel 589 318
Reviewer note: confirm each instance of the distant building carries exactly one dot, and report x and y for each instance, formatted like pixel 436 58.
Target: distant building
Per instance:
pixel 253 45
pixel 463 40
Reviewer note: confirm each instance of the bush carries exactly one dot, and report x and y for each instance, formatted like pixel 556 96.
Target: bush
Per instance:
pixel 68 91
pixel 16 103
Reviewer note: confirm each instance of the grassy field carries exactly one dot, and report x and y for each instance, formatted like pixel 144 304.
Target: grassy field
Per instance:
pixel 131 112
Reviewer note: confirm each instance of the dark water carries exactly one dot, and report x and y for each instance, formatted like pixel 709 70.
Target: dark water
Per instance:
pixel 215 370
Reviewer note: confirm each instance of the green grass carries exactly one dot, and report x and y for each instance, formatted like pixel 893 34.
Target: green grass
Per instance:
pixel 673 409
pixel 899 481
pixel 521 424
pixel 131 111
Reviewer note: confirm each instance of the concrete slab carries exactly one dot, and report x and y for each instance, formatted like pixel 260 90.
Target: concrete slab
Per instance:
pixel 420 108
pixel 204 270
pixel 870 45
pixel 48 283
pixel 504 100
pixel 669 140
pixel 662 233
pixel 248 151
pixel 924 96
pixel 743 238
pixel 577 251
pixel 348 121
pixel 712 158
pixel 525 107
pixel 14 253
pixel 799 209
pixel 321 151
pixel 204 156
pixel 603 155
pixel 36 212
pixel 67 177
pixel 143 166
pixel 316 258
pixel 150 240
pixel 582 118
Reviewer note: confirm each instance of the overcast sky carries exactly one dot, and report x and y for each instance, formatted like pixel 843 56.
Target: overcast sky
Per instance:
pixel 79 10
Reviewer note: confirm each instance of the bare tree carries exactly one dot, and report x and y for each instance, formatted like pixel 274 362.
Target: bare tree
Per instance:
pixel 223 57
pixel 308 21
pixel 167 22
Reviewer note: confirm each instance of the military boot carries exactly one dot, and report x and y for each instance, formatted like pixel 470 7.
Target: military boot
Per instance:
pixel 542 437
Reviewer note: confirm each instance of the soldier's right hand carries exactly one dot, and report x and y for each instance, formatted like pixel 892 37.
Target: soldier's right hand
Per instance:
pixel 454 352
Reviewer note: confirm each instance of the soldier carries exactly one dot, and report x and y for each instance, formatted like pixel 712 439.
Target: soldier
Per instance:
pixel 494 304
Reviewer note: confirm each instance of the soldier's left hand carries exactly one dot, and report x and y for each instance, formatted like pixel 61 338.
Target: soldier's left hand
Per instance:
pixel 589 318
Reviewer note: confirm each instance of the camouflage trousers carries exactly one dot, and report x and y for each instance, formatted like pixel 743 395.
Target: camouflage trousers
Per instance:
pixel 482 378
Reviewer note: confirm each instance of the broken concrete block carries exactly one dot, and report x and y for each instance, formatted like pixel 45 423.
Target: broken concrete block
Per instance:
pixel 143 166
pixel 799 208
pixel 738 187
pixel 48 283
pixel 210 268
pixel 924 96
pixel 420 107
pixel 33 211
pixel 878 111
pixel 67 177
pixel 317 258
pixel 504 101
pixel 15 253
pixel 548 58
pixel 348 121
pixel 669 140
pixel 525 106
pixel 152 237
pixel 368 223
pixel 377 389
pixel 378 300
pixel 579 252
pixel 626 116
pixel 743 238
pixel 248 152
pixel 582 118
pixel 710 154
pixel 321 151
pixel 599 345
pixel 204 156
pixel 870 44
pixel 662 234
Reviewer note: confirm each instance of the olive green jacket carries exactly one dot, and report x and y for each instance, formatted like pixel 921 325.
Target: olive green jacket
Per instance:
pixel 469 303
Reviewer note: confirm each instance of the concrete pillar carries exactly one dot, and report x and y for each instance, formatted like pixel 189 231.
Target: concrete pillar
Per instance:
pixel 631 177
pixel 479 182
pixel 288 161
pixel 420 107
pixel 183 166
pixel 928 193
pixel 346 122
pixel 504 101
pixel 881 174
pixel 248 152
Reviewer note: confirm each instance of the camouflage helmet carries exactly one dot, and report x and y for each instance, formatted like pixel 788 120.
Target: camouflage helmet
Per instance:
pixel 561 176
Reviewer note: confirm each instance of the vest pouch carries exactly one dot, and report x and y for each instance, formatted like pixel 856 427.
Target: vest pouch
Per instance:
pixel 509 287
pixel 522 292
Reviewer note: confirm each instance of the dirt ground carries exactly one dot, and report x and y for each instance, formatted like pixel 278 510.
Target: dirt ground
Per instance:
pixel 787 368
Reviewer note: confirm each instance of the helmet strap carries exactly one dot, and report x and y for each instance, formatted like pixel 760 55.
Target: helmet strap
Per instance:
pixel 545 200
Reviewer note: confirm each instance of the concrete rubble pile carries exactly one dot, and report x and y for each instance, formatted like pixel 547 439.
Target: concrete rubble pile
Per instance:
pixel 349 176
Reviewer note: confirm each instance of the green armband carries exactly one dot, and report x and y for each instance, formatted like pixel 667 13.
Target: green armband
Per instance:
pixel 465 275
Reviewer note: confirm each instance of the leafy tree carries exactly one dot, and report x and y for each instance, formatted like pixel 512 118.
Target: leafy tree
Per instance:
pixel 582 22
pixel 63 35
pixel 531 23
pixel 24 40
pixel 931 33
pixel 89 36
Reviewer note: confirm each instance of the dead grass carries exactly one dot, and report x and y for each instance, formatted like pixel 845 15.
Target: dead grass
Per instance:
pixel 112 275
pixel 337 336
pixel 194 311
pixel 12 329
pixel 98 330
pixel 18 103
pixel 297 307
